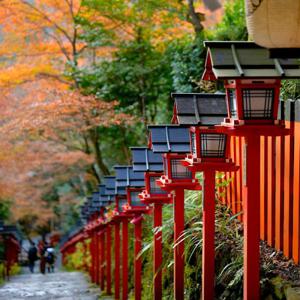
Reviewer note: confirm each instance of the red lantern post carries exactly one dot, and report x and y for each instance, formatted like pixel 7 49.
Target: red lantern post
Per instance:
pixel 210 153
pixel 127 208
pixel 121 218
pixel 93 252
pixel 110 192
pixel 151 164
pixel 173 142
pixel 125 258
pixel 108 259
pixel 117 260
pixel 252 82
pixel 176 179
pixel 156 196
pixel 157 251
pixel 137 222
pixel 102 259
pixel 136 208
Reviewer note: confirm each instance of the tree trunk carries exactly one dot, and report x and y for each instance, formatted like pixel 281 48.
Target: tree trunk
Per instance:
pixel 195 18
pixel 94 137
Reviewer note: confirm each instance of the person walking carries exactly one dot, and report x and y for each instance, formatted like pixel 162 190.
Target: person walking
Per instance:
pixel 42 249
pixel 50 259
pixel 32 256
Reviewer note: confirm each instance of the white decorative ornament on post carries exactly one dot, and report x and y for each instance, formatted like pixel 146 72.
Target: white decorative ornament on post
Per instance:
pixel 274 23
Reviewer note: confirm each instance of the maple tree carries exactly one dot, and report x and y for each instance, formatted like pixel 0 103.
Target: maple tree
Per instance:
pixel 59 131
pixel 45 118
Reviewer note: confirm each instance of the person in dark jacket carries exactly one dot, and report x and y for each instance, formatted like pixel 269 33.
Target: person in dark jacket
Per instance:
pixel 32 257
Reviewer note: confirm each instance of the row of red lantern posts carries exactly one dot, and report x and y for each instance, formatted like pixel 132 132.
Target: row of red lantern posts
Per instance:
pixel 197 141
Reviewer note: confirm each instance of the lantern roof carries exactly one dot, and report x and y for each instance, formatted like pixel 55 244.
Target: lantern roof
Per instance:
pixel 104 197
pixel 199 109
pixel 84 211
pixel 90 207
pixel 145 160
pixel 95 199
pixel 87 209
pixel 109 182
pixel 126 177
pixel 232 60
pixel 93 202
pixel 89 201
pixel 169 138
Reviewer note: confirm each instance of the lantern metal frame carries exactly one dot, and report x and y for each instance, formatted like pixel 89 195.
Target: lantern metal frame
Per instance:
pixel 135 209
pixel 196 143
pixel 148 197
pixel 169 183
pixel 117 212
pixel 197 163
pixel 238 86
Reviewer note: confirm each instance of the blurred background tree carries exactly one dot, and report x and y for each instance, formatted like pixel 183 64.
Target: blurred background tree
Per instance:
pixel 81 80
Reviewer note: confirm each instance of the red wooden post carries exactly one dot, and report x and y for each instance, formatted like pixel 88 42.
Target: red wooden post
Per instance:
pixel 279 192
pixel 117 260
pixel 234 177
pixel 98 251
pixel 296 192
pixel 271 191
pixel 231 184
pixel 179 248
pixel 263 187
pixel 102 260
pixel 95 260
pixel 288 185
pixel 251 189
pixel 125 259
pixel 108 260
pixel 238 176
pixel 208 253
pixel 92 245
pixel 137 259
pixel 85 253
pixel 157 253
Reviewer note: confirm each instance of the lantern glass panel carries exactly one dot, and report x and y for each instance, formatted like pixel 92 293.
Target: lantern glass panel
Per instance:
pixel 193 143
pixel 213 144
pixel 135 200
pixel 258 103
pixel 179 171
pixel 232 104
pixel 154 187
pixel 121 203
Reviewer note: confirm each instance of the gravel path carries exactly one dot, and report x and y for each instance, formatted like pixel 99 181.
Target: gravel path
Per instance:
pixel 60 285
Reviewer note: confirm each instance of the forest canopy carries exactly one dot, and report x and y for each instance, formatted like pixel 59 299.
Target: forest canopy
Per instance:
pixel 80 82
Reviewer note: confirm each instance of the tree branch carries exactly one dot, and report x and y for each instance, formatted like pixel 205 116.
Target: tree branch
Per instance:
pixel 195 18
pixel 46 17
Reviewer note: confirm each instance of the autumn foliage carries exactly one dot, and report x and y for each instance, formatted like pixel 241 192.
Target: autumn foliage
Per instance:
pixel 51 127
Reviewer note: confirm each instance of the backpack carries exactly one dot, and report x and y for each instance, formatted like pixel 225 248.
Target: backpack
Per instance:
pixel 49 257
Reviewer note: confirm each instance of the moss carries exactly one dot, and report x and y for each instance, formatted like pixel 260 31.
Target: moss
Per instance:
pixel 15 269
pixel 2 271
